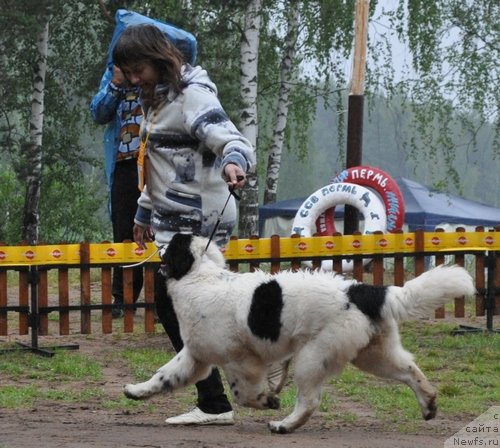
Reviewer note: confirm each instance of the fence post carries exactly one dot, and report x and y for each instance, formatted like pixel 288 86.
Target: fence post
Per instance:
pixel 149 297
pixel 85 324
pixel 128 299
pixel 295 263
pixel 107 299
pixel 275 254
pixel 399 265
pixel 63 287
pixel 43 301
pixel 440 312
pixel 378 266
pixel 23 301
pixel 480 279
pixel 3 302
pixel 460 301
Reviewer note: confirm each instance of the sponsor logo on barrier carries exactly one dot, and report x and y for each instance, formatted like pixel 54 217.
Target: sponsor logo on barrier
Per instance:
pixel 356 244
pixel 56 253
pixel 110 252
pixel 383 242
pixel 139 251
pixel 3 255
pixel 462 240
pixel 489 240
pixel 409 241
pixel 330 245
pixel 436 241
pixel 29 254
pixel 302 246
pixel 249 248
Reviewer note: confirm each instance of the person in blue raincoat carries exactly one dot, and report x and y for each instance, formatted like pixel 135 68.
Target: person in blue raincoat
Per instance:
pixel 116 105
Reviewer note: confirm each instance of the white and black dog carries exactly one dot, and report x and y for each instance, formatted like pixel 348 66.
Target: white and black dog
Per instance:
pixel 243 322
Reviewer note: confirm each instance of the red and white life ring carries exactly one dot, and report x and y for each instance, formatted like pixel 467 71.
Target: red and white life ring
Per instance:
pixel 364 199
pixel 379 181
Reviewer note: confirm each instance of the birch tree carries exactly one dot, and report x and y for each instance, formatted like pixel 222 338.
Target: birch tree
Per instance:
pixel 249 205
pixel 47 149
pixel 313 45
pixel 278 136
pixel 33 151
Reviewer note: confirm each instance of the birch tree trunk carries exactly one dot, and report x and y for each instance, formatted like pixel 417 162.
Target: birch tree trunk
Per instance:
pixel 286 74
pixel 249 49
pixel 33 151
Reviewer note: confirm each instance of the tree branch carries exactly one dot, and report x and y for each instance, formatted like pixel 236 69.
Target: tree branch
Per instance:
pixel 105 11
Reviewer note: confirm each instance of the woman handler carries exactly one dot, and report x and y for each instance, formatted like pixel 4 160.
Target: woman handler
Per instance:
pixel 190 153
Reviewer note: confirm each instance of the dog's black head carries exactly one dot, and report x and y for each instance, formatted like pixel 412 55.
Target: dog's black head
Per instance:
pixel 186 252
pixel 178 258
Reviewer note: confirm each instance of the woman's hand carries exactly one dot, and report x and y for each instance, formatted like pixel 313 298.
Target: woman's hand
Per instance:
pixel 118 78
pixel 142 234
pixel 234 175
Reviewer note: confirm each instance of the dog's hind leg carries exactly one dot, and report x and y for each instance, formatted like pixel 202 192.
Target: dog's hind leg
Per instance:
pixel 311 369
pixel 179 372
pixel 386 357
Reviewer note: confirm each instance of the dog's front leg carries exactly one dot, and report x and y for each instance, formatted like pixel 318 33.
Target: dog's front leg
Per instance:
pixel 180 371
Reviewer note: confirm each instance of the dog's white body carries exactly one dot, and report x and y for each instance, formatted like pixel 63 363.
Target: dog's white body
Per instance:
pixel 245 322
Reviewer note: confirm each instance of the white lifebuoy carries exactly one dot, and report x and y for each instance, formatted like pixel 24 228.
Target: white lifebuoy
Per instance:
pixel 377 180
pixel 365 200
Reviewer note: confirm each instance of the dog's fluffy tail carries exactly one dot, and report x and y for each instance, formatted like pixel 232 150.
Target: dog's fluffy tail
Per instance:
pixel 422 295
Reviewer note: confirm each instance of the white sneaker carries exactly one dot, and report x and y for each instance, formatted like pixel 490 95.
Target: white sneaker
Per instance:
pixel 198 417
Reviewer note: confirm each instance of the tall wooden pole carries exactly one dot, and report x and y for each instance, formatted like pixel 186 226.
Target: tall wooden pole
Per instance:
pixel 355 105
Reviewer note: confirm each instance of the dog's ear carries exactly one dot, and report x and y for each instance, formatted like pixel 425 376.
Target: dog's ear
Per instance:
pixel 178 257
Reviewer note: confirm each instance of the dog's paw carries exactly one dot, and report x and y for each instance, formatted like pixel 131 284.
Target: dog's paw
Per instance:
pixel 133 392
pixel 431 410
pixel 278 428
pixel 273 402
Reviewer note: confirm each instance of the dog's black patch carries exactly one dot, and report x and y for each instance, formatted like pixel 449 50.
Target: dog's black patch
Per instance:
pixel 178 258
pixel 264 318
pixel 273 402
pixel 167 386
pixel 368 298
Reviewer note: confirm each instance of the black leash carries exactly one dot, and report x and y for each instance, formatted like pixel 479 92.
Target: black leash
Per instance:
pixel 231 193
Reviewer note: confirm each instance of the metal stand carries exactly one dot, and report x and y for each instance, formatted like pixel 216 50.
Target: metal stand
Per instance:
pixel 34 323
pixel 489 300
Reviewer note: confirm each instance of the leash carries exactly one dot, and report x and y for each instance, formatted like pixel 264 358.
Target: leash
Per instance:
pixel 231 193
pixel 143 261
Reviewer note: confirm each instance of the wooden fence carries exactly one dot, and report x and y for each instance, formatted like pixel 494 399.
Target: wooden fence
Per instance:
pixel 27 289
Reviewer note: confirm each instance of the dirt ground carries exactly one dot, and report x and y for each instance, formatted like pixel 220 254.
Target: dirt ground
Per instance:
pixel 51 424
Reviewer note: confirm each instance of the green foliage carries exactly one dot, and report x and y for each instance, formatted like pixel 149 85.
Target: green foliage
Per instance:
pixel 71 203
pixel 11 204
pixel 448 78
pixel 432 115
